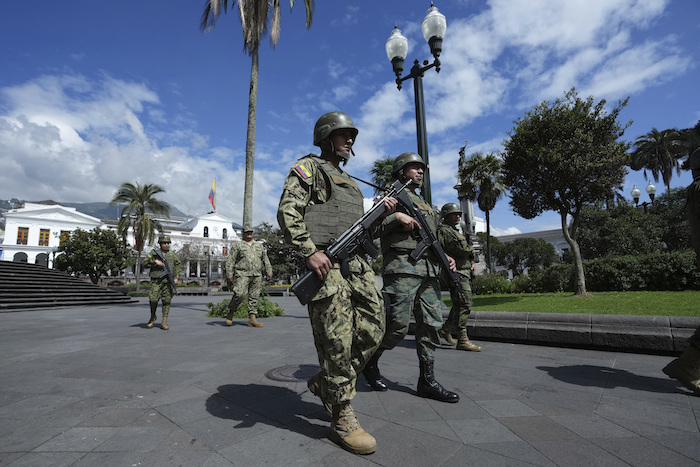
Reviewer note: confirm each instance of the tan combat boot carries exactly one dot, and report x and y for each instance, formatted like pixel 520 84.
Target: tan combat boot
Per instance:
pixel 164 324
pixel 314 385
pixel 463 342
pixel 152 320
pixel 347 432
pixel 252 322
pixel 447 335
pixel 686 369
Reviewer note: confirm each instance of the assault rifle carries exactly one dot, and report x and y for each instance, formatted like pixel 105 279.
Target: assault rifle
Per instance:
pixel 427 239
pixel 167 272
pixel 342 249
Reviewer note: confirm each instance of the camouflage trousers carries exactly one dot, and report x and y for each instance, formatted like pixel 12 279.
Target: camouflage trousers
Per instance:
pixel 244 287
pixel 408 294
pixel 460 309
pixel 160 290
pixel 347 320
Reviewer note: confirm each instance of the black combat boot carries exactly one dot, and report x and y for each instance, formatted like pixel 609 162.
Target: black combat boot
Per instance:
pixel 428 387
pixel 371 373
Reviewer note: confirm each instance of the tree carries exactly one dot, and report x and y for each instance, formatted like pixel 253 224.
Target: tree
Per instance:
pixel 139 214
pixel 561 157
pixel 618 231
pixel 669 211
pixel 659 152
pixel 94 253
pixel 254 16
pixel 525 253
pixel 381 172
pixel 481 179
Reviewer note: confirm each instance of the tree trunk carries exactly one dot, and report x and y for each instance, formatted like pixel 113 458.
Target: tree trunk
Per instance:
pixel 488 242
pixel 250 142
pixel 138 271
pixel 579 277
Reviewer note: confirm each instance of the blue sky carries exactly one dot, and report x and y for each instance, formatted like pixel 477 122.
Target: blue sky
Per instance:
pixel 94 94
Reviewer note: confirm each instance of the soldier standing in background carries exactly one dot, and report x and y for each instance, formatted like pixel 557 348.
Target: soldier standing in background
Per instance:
pixel 161 287
pixel 319 202
pixel 411 286
pixel 455 244
pixel 245 266
pixel 686 368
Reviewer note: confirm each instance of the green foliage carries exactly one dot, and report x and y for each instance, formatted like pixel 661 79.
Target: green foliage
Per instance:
pixel 266 309
pixel 659 152
pixel 141 208
pixel 654 271
pixel 563 156
pixel 93 253
pixel 381 172
pixel 490 283
pixel 618 231
pixel 524 253
pixel 283 258
pixel 556 278
pixel 669 212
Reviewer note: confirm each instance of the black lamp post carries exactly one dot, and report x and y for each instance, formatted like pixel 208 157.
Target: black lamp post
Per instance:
pixel 636 193
pixel 433 28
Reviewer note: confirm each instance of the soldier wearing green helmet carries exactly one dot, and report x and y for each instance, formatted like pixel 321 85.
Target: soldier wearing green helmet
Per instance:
pixel 410 286
pixel 319 202
pixel 456 245
pixel 161 289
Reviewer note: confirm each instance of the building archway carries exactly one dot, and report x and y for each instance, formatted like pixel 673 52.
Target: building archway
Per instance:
pixel 20 257
pixel 42 259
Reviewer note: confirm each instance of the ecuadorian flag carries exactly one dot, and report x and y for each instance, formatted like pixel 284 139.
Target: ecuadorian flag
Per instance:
pixel 212 192
pixel 303 171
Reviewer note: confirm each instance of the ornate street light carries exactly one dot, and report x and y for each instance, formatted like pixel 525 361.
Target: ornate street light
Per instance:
pixel 433 28
pixel 636 193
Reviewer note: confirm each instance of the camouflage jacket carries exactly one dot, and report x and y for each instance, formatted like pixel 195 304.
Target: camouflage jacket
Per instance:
pixel 248 260
pixel 455 245
pixel 157 271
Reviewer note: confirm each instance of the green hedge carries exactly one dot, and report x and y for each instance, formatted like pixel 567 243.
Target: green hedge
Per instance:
pixel 672 271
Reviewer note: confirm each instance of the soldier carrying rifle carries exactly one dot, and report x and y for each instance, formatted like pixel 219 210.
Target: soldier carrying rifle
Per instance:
pixel 165 268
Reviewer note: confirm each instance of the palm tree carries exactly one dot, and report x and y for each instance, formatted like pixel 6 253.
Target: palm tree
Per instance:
pixel 381 173
pixel 254 16
pixel 658 152
pixel 140 214
pixel 481 180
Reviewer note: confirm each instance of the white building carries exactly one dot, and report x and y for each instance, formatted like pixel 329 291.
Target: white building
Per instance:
pixel 34 231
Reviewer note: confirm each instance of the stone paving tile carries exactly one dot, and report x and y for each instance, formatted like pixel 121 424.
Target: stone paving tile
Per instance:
pixel 470 455
pixel 519 450
pixel 482 431
pixel 26 438
pixel 400 446
pixel 507 408
pixel 83 439
pixel 45 459
pixel 35 406
pixel 592 426
pixel 537 428
pixel 640 451
pixel 112 459
pixel 578 453
pixel 135 438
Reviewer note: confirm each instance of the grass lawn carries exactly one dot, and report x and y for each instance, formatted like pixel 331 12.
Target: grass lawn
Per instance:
pixel 620 303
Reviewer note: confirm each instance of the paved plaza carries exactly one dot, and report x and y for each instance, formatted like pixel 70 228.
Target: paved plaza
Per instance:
pixel 93 386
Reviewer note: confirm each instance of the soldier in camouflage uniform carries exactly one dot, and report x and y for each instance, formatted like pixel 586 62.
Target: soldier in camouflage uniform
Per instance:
pixel 319 202
pixel 411 286
pixel 455 244
pixel 161 288
pixel 686 368
pixel 245 266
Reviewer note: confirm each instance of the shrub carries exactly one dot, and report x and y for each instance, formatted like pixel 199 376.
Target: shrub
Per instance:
pixel 266 309
pixel 485 284
pixel 556 278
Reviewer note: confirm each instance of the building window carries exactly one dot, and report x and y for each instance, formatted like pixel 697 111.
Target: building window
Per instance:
pixel 44 237
pixel 206 232
pixel 22 235
pixel 225 234
pixel 65 236
pixel 225 251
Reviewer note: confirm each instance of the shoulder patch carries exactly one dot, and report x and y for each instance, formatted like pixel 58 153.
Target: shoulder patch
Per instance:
pixel 302 171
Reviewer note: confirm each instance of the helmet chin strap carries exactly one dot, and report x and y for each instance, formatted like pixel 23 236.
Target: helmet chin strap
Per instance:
pixel 342 156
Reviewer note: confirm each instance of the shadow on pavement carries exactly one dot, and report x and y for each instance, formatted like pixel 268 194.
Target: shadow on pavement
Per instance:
pixel 604 377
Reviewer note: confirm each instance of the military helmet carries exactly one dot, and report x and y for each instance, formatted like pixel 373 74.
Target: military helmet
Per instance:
pixel 247 228
pixel 330 122
pixel 404 159
pixel 164 239
pixel 450 208
pixel 694 160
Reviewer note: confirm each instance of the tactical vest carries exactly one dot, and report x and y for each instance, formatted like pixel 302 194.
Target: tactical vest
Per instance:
pixel 343 207
pixel 402 240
